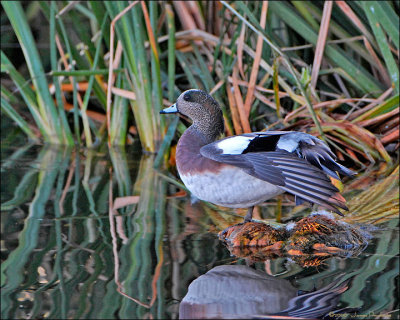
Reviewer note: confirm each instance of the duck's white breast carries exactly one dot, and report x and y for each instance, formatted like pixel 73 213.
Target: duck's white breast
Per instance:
pixel 229 187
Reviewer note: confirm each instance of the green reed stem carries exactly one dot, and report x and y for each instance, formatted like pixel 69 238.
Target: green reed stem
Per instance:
pixel 68 138
pixel 377 18
pixel 88 135
pixel 44 100
pixel 75 91
pixel 171 51
pixel 157 93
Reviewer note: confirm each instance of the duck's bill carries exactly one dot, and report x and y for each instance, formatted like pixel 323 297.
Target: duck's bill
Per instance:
pixel 171 109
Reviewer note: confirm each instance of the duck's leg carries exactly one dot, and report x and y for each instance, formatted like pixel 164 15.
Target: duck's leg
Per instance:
pixel 249 215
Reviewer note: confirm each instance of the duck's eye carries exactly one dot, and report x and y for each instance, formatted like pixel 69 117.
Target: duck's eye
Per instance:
pixel 187 97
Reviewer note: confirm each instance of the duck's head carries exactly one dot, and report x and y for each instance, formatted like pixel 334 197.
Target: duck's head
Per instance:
pixel 202 109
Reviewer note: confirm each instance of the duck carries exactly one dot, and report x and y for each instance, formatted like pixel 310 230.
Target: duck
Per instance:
pixel 246 170
pixel 242 292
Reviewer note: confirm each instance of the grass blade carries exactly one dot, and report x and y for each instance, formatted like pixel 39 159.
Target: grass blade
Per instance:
pixel 289 65
pixel 387 106
pixel 46 105
pixel 13 114
pixel 256 63
pixel 27 94
pixel 365 82
pixel 68 139
pixel 171 52
pixel 375 17
pixel 322 35
pixel 388 19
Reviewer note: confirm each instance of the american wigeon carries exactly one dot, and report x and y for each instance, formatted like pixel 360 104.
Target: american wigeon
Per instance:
pixel 245 170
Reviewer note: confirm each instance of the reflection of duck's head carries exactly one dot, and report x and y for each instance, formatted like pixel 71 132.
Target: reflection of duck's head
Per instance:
pixel 235 291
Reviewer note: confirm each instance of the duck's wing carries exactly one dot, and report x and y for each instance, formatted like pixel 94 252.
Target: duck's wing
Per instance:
pixel 315 305
pixel 296 162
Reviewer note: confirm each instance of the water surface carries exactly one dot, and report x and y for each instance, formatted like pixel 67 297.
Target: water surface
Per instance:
pixel 65 256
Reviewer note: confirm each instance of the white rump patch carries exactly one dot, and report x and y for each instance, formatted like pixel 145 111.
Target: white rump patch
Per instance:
pixel 234 145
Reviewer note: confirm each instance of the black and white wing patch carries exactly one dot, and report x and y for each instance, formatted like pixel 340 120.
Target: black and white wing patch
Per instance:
pixel 250 142
pixel 291 171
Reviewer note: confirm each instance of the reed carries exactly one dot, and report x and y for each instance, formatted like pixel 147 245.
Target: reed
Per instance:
pixel 294 65
pixel 286 62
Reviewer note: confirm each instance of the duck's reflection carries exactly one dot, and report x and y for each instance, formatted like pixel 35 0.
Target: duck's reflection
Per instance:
pixel 236 291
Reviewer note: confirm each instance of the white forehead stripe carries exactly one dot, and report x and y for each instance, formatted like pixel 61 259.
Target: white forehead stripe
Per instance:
pixel 234 145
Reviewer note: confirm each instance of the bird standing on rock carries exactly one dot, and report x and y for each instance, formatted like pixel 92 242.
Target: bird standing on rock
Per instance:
pixel 245 170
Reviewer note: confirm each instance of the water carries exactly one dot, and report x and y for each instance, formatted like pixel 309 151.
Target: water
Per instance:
pixel 64 256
